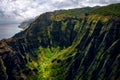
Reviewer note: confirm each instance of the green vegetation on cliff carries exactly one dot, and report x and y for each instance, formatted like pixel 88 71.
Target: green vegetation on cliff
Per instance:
pixel 86 53
pixel 75 44
pixel 110 10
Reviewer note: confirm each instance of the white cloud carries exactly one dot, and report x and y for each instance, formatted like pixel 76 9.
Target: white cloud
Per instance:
pixel 24 9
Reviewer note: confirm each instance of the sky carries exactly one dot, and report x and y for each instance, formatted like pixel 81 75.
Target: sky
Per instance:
pixel 15 11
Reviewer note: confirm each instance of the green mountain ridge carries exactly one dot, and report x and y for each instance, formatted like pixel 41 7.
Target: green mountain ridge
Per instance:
pixel 75 44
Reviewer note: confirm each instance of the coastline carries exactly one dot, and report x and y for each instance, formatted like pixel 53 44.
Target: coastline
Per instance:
pixel 9 30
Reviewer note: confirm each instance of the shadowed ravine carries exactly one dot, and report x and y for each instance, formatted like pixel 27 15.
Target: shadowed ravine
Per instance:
pixel 77 44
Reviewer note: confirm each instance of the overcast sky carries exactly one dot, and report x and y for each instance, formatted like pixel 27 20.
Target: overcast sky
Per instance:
pixel 19 10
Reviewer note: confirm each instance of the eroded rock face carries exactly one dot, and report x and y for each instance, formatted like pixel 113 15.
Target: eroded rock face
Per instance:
pixel 89 48
pixel 10 60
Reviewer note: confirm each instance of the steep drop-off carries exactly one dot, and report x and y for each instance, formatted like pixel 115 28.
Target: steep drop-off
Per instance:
pixel 77 44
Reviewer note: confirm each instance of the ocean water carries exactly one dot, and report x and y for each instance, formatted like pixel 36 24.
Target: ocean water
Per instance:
pixel 8 30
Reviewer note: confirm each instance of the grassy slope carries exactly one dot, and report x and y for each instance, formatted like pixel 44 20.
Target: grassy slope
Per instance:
pixel 110 10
